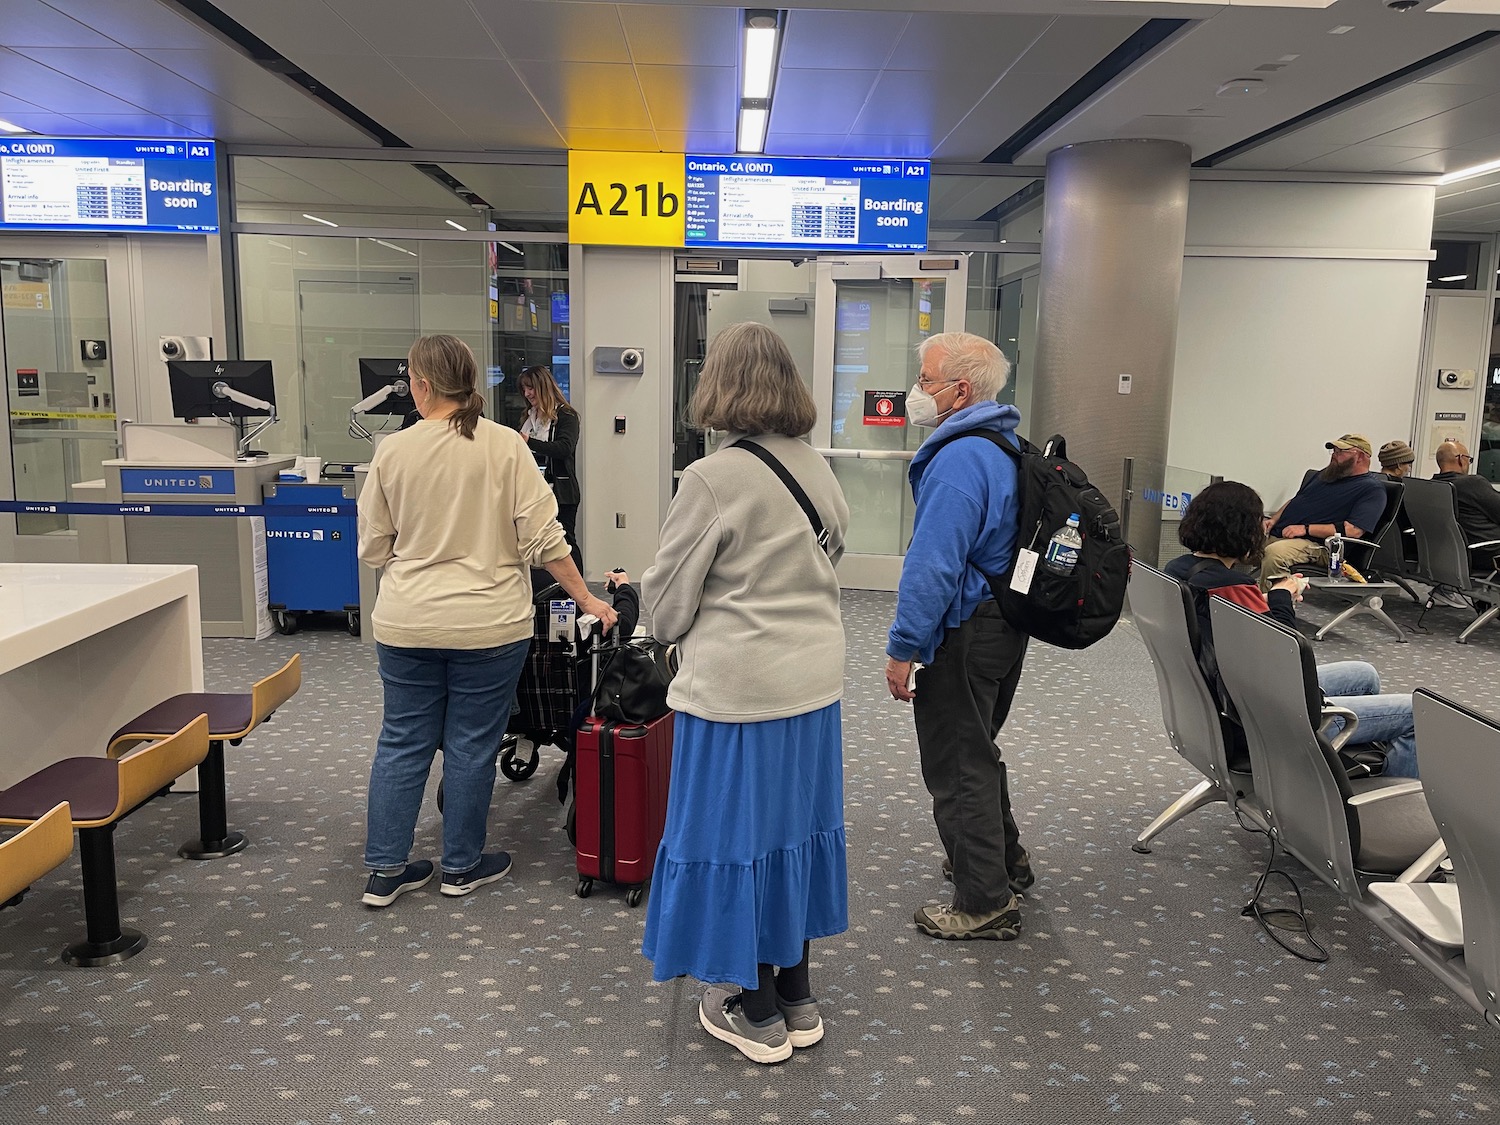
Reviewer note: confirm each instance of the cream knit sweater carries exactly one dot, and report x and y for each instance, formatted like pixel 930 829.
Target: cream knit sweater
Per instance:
pixel 455 523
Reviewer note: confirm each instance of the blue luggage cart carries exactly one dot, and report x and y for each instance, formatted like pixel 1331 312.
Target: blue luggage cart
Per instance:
pixel 312 557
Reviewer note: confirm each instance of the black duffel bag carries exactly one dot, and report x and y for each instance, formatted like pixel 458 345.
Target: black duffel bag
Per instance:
pixel 633 679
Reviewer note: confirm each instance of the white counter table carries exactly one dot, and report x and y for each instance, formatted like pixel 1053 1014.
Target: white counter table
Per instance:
pixel 84 648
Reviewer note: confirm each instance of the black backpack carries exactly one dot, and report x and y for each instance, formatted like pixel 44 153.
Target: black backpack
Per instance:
pixel 1067 610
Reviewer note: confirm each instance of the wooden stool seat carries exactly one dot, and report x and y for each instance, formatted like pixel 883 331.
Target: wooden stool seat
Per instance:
pixel 102 792
pixel 231 716
pixel 34 851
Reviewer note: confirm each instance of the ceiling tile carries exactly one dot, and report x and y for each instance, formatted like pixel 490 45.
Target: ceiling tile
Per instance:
pixel 1365 158
pixel 807 101
pixel 817 40
pixel 54 90
pixel 49 124
pixel 129 76
pixel 587 95
pixel 238 80
pixel 708 142
pixel 909 102
pixel 383 92
pixel 690 97
pixel 135 24
pixel 614 140
pixel 30 23
pixel 1447 130
pixel 673 34
pixel 805 144
pixel 430 30
pixel 915 148
pixel 954 43
pixel 541 29
pixel 299 28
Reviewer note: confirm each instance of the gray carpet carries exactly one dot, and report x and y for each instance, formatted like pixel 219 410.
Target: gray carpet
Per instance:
pixel 1135 993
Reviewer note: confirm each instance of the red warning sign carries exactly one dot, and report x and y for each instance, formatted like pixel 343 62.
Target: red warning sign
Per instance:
pixel 885 408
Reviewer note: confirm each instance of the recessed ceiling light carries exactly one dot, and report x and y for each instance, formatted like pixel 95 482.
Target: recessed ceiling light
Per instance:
pixel 314 218
pixel 1241 88
pixel 1455 277
pixel 1342 29
pixel 455 226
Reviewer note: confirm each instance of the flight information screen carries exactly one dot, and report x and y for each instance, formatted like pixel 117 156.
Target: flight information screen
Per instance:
pixel 108 184
pixel 795 202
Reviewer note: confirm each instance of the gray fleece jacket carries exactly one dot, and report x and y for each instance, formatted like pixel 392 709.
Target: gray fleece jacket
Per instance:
pixel 742 586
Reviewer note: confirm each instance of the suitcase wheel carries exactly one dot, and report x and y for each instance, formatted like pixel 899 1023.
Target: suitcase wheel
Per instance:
pixel 633 896
pixel 517 768
pixel 585 887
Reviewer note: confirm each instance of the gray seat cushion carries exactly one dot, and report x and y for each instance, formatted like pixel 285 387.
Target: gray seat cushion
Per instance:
pixel 1393 832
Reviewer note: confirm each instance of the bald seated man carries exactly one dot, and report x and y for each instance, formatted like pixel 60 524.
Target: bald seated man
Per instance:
pixel 1478 505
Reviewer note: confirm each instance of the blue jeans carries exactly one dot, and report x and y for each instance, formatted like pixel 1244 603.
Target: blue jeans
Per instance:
pixel 1382 718
pixel 459 699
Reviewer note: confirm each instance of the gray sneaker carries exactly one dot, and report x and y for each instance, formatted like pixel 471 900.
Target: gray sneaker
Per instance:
pixel 722 1017
pixel 804 1024
pixel 955 925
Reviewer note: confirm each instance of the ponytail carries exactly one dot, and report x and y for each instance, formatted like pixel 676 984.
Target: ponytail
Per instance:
pixel 448 364
pixel 466 418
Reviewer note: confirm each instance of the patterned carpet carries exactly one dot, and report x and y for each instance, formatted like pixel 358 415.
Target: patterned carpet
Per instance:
pixel 1135 993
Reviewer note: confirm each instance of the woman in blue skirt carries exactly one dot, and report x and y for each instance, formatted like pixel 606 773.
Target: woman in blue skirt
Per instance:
pixel 751 867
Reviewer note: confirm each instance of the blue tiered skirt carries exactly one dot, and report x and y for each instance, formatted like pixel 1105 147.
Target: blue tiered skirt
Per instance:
pixel 752 863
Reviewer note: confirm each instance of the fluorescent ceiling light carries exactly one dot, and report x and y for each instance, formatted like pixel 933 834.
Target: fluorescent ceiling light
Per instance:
pixel 315 219
pixel 512 249
pixel 1471 172
pixel 393 246
pixel 760 61
pixel 455 226
pixel 1455 277
pixel 1468 7
pixel 752 134
pixel 7 127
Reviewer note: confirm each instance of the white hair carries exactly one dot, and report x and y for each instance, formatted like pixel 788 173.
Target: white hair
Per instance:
pixel 963 355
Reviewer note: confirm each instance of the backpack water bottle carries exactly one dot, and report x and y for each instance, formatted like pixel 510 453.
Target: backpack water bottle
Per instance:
pixel 1062 550
pixel 1335 547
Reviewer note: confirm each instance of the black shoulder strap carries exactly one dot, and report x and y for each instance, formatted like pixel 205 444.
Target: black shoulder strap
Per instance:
pixel 992 436
pixel 791 486
pixel 1199 567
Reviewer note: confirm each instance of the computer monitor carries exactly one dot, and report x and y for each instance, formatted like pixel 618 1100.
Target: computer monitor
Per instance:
pixel 199 386
pixel 377 374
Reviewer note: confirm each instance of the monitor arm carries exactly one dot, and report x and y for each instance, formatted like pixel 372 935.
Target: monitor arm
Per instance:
pixel 357 429
pixel 221 389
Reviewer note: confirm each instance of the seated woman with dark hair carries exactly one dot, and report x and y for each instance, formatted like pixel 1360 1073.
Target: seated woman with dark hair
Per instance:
pixel 1222 526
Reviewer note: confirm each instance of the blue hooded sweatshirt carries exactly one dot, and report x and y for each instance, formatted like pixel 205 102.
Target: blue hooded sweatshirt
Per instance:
pixel 967 511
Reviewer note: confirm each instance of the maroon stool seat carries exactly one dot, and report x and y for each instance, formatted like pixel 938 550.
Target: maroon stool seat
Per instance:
pixel 231 716
pixel 100 793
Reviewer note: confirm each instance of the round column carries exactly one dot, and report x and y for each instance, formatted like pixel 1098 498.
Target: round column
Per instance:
pixel 1113 231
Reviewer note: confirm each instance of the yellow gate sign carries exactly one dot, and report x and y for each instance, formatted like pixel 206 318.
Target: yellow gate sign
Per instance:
pixel 626 198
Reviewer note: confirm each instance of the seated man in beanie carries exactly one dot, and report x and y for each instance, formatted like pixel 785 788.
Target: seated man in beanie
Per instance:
pixel 1397 459
pixel 1345 499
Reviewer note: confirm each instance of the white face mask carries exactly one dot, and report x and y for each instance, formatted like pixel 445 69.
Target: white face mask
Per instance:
pixel 922 408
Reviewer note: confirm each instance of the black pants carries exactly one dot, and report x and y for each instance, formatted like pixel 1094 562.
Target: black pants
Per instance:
pixel 567 515
pixel 963 698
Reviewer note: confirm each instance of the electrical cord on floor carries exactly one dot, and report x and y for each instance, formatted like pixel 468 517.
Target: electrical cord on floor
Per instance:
pixel 1282 918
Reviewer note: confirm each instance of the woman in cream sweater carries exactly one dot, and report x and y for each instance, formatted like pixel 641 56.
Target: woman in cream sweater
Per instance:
pixel 453 513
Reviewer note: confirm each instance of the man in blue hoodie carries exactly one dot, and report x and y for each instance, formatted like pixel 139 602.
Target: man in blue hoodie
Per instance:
pixel 950 629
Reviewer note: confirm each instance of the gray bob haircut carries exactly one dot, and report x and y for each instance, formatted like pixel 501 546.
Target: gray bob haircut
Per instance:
pixel 963 355
pixel 750 385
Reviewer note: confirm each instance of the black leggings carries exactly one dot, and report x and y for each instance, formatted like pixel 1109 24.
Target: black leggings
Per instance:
pixel 791 984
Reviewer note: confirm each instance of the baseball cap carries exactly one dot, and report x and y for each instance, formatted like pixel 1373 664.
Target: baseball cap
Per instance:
pixel 1394 453
pixel 1353 441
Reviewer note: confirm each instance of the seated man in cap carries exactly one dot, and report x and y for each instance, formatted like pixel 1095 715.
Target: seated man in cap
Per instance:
pixel 1344 499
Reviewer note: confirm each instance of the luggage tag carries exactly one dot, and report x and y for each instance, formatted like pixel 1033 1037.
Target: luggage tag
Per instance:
pixel 563 613
pixel 1025 569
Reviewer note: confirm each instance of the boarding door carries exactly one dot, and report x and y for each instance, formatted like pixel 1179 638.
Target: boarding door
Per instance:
pixel 871 313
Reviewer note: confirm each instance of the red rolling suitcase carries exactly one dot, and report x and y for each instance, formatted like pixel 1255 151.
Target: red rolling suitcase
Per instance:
pixel 620 801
